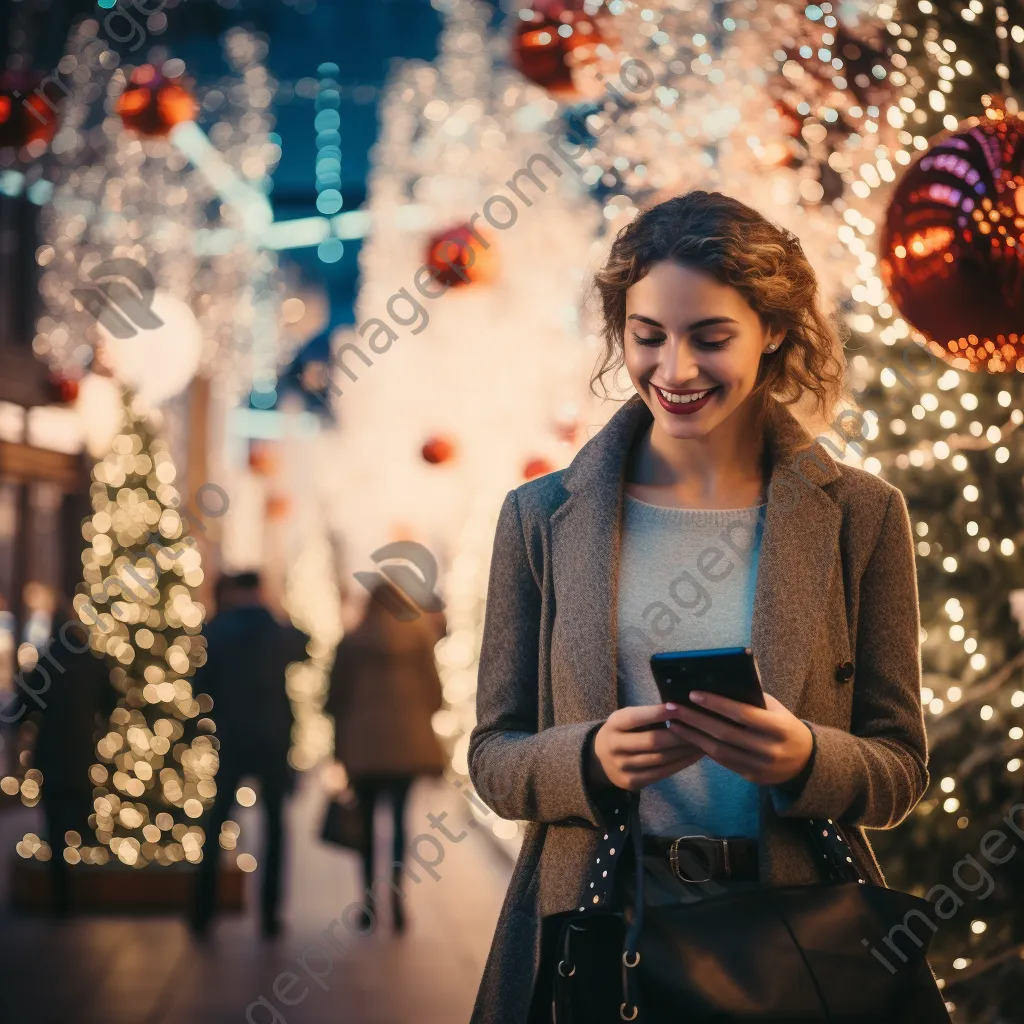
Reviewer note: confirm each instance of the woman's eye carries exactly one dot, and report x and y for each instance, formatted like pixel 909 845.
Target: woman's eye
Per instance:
pixel 705 343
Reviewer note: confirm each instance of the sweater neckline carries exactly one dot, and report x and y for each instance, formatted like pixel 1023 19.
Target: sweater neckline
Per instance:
pixel 693 516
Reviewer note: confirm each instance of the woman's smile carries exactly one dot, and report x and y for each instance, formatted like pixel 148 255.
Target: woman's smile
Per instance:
pixel 685 403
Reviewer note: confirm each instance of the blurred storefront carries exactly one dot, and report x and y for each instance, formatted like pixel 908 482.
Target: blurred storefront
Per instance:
pixel 43 483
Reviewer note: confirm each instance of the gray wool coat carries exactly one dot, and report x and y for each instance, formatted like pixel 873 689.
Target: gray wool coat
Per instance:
pixel 836 584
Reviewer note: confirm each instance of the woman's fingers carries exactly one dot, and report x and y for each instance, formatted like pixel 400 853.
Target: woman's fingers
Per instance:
pixel 727 755
pixel 638 716
pixel 658 738
pixel 770 720
pixel 742 737
pixel 661 759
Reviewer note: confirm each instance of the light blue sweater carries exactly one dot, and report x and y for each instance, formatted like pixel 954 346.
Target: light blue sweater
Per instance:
pixel 686 582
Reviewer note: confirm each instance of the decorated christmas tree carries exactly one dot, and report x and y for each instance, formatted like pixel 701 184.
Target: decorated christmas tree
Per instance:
pixel 949 406
pixel 155 767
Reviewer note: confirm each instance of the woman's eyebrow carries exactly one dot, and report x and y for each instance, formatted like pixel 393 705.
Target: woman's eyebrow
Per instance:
pixel 707 322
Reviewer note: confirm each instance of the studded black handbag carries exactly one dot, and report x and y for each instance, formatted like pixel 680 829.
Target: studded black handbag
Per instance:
pixel 844 951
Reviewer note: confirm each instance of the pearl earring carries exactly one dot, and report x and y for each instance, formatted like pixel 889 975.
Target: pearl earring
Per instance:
pixel 772 347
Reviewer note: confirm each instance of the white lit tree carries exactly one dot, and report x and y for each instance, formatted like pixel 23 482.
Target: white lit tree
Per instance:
pixel 155 767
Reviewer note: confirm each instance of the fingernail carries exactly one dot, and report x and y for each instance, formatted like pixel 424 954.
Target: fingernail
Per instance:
pixel 698 697
pixel 671 707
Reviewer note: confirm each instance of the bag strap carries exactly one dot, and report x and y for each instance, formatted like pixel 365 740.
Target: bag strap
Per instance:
pixel 617 805
pixel 835 851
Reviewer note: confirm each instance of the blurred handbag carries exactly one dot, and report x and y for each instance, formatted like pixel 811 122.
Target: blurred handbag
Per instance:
pixel 343 822
pixel 782 955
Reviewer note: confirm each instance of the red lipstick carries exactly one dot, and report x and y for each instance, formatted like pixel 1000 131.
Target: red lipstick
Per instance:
pixel 685 408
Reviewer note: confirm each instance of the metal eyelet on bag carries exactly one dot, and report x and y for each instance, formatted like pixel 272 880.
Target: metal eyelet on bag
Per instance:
pixel 561 964
pixel 625 954
pixel 622 1012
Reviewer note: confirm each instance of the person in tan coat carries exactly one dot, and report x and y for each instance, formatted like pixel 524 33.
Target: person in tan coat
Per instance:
pixel 713 312
pixel 384 689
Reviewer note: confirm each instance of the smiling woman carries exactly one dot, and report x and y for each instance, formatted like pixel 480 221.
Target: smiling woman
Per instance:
pixel 713 311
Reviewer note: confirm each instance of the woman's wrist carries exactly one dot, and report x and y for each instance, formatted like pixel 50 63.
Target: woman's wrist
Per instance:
pixel 597 780
pixel 797 782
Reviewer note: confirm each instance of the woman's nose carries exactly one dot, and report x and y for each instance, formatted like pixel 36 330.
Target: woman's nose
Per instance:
pixel 679 364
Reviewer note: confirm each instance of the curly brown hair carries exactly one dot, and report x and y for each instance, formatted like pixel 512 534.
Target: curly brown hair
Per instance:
pixel 738 246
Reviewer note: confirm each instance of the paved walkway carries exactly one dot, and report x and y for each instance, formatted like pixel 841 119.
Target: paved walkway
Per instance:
pixel 122 970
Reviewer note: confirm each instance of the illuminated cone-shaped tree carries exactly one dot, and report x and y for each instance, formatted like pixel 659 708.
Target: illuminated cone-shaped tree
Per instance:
pixel 156 763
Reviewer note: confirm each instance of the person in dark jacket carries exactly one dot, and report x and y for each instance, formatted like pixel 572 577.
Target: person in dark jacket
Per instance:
pixel 71 684
pixel 247 653
pixel 384 690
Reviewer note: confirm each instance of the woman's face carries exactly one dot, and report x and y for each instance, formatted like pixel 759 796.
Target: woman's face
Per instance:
pixel 692 348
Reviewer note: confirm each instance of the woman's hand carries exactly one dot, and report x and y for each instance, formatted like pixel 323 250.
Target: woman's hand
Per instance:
pixel 629 756
pixel 764 745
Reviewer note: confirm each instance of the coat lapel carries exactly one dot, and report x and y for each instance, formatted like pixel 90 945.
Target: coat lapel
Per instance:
pixel 799 550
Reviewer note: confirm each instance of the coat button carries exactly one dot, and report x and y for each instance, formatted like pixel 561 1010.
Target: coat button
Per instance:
pixel 844 672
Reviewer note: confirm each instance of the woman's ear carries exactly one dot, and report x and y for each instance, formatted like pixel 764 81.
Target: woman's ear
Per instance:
pixel 774 340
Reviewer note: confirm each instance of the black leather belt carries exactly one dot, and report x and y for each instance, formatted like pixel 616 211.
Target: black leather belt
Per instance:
pixel 705 858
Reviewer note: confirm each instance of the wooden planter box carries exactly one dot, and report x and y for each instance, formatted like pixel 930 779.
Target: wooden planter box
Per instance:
pixel 116 889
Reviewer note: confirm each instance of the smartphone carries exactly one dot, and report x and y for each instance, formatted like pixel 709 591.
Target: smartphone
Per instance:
pixel 728 671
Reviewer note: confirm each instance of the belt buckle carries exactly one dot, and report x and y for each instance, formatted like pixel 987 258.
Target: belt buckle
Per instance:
pixel 673 856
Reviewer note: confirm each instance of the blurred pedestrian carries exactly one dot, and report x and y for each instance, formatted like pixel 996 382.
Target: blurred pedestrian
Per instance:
pixel 71 683
pixel 384 690
pixel 248 651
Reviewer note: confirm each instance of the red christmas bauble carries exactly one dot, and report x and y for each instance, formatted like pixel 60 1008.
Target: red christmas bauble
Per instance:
pixel 952 251
pixel 26 115
pixel 459 257
pixel 152 105
pixel 67 388
pixel 278 507
pixel 438 450
pixel 556 46
pixel 262 460
pixel 537 467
